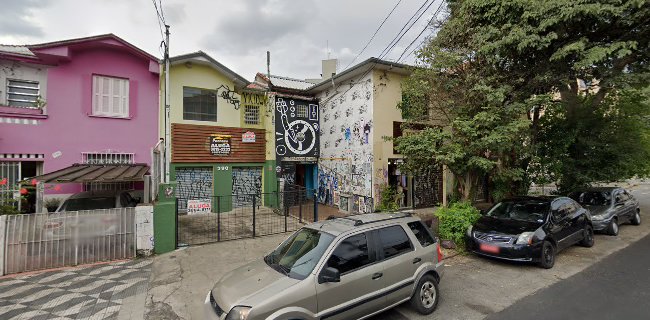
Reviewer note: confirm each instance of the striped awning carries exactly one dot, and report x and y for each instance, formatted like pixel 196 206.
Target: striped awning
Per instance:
pixel 96 173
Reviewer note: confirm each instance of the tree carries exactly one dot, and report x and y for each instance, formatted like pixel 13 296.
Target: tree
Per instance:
pixel 503 63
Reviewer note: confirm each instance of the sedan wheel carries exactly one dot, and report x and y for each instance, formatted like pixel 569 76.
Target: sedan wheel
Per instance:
pixel 637 219
pixel 425 298
pixel 548 255
pixel 612 229
pixel 588 237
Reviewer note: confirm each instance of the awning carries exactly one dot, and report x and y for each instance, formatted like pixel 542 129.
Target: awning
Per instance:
pixel 96 173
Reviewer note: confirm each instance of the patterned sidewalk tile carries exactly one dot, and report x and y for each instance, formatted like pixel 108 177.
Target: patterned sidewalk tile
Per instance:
pixel 88 292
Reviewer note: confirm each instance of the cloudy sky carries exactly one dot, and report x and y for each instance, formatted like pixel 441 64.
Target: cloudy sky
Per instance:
pixel 235 32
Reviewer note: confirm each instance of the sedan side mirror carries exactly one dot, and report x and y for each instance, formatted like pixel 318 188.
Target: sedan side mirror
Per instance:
pixel 329 274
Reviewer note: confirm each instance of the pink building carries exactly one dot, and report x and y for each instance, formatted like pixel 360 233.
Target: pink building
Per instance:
pixel 87 100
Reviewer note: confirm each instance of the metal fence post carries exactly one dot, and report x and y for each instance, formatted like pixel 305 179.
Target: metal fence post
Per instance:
pixel 254 215
pixel 218 218
pixel 300 206
pixel 315 205
pixel 176 227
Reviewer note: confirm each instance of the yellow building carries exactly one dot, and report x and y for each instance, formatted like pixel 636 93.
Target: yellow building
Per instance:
pixel 218 136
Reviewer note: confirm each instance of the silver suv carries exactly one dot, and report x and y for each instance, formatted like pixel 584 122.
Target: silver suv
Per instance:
pixel 342 268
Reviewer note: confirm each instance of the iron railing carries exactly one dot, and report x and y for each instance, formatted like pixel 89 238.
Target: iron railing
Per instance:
pixel 239 216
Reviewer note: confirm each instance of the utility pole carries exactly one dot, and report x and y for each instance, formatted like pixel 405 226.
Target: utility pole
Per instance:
pixel 167 156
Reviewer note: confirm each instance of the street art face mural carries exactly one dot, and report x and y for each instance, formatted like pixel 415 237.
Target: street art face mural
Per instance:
pixel 345 164
pixel 297 130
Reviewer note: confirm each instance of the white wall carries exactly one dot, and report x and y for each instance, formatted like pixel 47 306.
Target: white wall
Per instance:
pixel 144 229
pixel 3 230
pixel 345 165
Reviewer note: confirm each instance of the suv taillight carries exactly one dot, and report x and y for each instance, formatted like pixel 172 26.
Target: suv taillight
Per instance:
pixel 440 257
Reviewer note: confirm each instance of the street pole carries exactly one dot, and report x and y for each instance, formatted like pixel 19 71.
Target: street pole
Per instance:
pixel 167 155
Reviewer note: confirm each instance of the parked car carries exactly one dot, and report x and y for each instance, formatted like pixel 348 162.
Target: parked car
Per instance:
pixel 342 268
pixel 92 200
pixel 532 229
pixel 609 207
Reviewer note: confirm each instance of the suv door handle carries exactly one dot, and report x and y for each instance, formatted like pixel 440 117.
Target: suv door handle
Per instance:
pixel 377 275
pixel 416 260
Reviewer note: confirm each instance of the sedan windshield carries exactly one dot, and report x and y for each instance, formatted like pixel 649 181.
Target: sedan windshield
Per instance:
pixel 298 255
pixel 522 210
pixel 594 198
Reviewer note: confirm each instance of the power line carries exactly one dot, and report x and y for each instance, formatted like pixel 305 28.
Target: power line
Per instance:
pixel 406 27
pixel 435 15
pixel 160 19
pixel 373 35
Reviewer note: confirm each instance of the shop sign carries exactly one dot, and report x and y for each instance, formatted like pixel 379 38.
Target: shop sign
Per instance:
pixel 199 206
pixel 248 136
pixel 220 145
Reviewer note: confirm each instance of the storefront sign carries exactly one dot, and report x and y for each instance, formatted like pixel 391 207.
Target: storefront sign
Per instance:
pixel 248 136
pixel 199 206
pixel 220 145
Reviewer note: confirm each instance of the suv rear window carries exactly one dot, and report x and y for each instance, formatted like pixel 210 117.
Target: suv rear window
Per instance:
pixel 351 254
pixel 394 241
pixel 421 233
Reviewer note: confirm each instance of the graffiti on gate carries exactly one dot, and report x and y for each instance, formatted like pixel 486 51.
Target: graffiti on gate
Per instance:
pixel 193 183
pixel 246 182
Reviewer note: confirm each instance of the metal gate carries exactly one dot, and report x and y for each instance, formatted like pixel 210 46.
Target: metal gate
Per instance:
pixel 9 187
pixel 428 188
pixel 51 240
pixel 230 218
pixel 246 181
pixel 193 183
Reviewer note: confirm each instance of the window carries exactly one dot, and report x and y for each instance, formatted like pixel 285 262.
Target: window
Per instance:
pixel 351 254
pixel 199 104
pixel 394 241
pixel 301 111
pixel 299 254
pixel 110 97
pixel 22 93
pixel 251 114
pixel 421 233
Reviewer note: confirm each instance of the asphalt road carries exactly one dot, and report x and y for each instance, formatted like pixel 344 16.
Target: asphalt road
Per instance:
pixel 617 287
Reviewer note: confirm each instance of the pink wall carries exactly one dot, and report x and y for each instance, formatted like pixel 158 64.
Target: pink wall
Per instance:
pixel 69 128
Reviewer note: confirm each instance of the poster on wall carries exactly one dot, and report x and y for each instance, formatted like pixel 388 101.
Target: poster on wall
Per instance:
pixel 296 130
pixel 220 145
pixel 199 206
pixel 248 136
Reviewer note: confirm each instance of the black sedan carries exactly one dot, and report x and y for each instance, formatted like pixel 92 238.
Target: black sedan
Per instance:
pixel 530 229
pixel 609 207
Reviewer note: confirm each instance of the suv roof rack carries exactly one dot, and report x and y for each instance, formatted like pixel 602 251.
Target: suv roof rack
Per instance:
pixel 359 222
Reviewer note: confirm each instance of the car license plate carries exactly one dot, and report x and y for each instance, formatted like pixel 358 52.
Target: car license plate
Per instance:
pixel 488 248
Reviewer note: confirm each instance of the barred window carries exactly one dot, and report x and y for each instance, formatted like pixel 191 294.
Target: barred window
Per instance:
pixel 22 93
pixel 301 111
pixel 251 114
pixel 106 158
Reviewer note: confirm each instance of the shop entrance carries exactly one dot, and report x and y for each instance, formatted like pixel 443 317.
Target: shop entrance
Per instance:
pixel 306 174
pixel 401 182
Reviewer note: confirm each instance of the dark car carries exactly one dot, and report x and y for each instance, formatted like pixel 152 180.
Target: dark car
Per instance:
pixel 609 207
pixel 531 229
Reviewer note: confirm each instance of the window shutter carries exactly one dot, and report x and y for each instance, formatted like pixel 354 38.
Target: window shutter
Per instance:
pixel 110 96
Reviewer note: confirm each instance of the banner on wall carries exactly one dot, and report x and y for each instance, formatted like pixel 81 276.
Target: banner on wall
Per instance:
pixel 296 129
pixel 220 145
pixel 199 206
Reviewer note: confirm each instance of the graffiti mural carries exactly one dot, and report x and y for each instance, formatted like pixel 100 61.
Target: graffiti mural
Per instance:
pixel 229 95
pixel 345 164
pixel 193 183
pixel 246 183
pixel 296 128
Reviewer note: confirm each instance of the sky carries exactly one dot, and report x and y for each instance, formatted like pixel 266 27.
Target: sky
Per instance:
pixel 237 33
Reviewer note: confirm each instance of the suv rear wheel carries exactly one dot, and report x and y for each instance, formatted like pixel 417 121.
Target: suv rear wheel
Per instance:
pixel 425 298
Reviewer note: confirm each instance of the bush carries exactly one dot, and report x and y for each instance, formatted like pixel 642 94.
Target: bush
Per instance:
pixel 389 199
pixel 52 204
pixel 454 220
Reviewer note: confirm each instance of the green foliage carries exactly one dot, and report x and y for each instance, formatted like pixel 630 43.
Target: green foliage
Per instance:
pixel 52 203
pixel 7 206
pixel 497 88
pixel 454 221
pixel 389 199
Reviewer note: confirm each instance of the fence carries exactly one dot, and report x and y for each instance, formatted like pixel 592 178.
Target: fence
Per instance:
pixel 230 217
pixel 51 240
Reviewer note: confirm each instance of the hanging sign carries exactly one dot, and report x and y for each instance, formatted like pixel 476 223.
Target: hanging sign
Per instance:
pixel 248 136
pixel 220 145
pixel 199 206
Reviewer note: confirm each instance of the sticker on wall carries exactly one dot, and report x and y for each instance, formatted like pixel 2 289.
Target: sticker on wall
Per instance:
pixel 248 136
pixel 220 145
pixel 57 154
